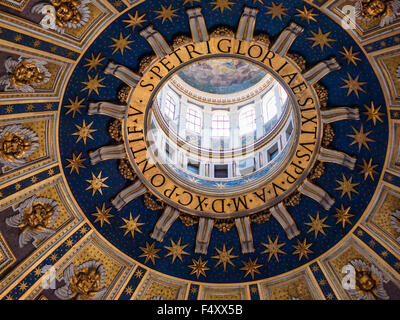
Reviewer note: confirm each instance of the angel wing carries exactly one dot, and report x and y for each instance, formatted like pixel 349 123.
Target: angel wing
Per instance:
pixel 15 220
pixel 64 293
pixel 42 235
pixel 10 64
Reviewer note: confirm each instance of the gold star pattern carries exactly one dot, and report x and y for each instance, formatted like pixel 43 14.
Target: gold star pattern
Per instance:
pixel 360 138
pixel 350 56
pixel 23 286
pixel 277 11
pixel 135 21
pixel 307 15
pixel 343 216
pixel 132 225
pixel 373 113
pixel 121 44
pixel 321 39
pixel 367 169
pixel 199 268
pixel 166 13
pixel 149 253
pixel 76 163
pixel 317 225
pixel 222 5
pixel 93 84
pixel 176 250
pixel 347 187
pixel 302 249
pixel 96 184
pixel 84 132
pixel 69 243
pixel 251 267
pixel 37 272
pixel 353 85
pixel 224 257
pixel 93 62
pixel 102 215
pixel 273 248
pixel 129 290
pixel 139 274
pixel 53 257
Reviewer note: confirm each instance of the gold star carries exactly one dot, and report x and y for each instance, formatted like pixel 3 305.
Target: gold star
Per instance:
pixel 30 107
pixel 97 183
pixel 307 15
pixel 251 267
pixel 199 268
pixel 83 230
pixel 132 225
pixel 69 243
pixel 373 113
pixel 17 186
pixel 315 268
pixel 9 297
pixel 9 109
pixel 102 215
pixel 34 179
pixel 193 290
pixel 190 1
pixel 128 290
pixel 321 39
pixel 224 257
pixel 53 257
pixel 94 62
pixel 84 132
pixel 36 43
pixel 176 250
pixel 368 169
pixel 317 225
pixel 166 13
pixel 350 56
pixel 273 248
pixel 222 5
pixel 149 253
pixel 139 274
pixel 48 106
pixel 343 216
pixel 347 187
pixel 354 85
pixel 37 272
pixel 93 84
pixel 302 249
pixel 18 38
pixel 135 21
pixel 76 163
pixel 23 286
pixel 277 11
pixel 361 138
pixel 50 172
pixel 121 44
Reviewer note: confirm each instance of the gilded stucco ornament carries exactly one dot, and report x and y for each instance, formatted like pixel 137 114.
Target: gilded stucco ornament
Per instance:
pixel 86 282
pixel 60 15
pixel 16 145
pixel 398 73
pixel 35 219
pixel 24 74
pixel 369 282
pixel 384 10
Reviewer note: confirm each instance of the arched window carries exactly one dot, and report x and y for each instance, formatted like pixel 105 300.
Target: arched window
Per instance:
pixel 220 125
pixel 247 120
pixel 270 107
pixel 169 106
pixel 193 120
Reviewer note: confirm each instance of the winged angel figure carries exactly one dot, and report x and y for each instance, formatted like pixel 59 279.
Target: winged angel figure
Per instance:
pixel 369 282
pixel 35 218
pixel 385 10
pixel 24 74
pixel 86 282
pixel 60 15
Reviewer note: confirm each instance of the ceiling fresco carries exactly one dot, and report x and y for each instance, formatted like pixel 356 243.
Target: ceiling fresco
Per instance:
pixel 221 76
pixel 75 198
